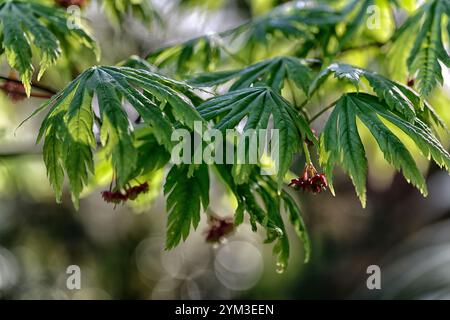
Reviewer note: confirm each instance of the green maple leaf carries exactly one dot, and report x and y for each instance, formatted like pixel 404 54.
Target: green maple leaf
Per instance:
pixel 341 144
pixel 25 24
pixel 68 127
pixel 186 195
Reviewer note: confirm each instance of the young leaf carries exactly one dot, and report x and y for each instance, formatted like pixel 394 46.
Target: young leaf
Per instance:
pixel 185 197
pixel 26 23
pixel 286 21
pixel 428 50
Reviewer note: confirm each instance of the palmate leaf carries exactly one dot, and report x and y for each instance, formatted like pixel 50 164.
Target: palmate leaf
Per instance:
pixel 186 195
pixel 428 50
pixel 267 190
pixel 398 97
pixel 68 127
pixel 308 25
pixel 273 72
pixel 281 20
pixel 258 104
pixel 301 20
pixel 312 25
pixel 117 10
pixel 202 53
pixel 357 21
pixel 272 206
pixel 25 24
pixel 340 142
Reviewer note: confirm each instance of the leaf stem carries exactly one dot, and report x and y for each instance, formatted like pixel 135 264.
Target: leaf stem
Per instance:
pixel 302 111
pixel 307 155
pixel 231 54
pixel 291 89
pixel 331 105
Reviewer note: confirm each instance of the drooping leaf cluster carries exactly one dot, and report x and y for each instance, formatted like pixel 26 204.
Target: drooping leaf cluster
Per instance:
pixel 131 110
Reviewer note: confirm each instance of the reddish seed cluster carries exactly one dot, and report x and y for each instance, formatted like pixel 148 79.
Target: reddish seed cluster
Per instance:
pixel 114 197
pixel 131 193
pixel 410 82
pixel 218 228
pixel 68 3
pixel 310 180
pixel 14 90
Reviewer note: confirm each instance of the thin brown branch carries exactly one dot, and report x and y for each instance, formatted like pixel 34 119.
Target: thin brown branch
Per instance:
pixel 33 84
pixel 32 94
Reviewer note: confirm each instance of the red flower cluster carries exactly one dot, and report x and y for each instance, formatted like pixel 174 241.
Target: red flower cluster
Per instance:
pixel 68 3
pixel 410 82
pixel 131 193
pixel 114 197
pixel 218 228
pixel 15 90
pixel 310 180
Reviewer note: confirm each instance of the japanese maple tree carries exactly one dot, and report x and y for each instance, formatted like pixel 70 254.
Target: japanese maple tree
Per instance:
pixel 265 73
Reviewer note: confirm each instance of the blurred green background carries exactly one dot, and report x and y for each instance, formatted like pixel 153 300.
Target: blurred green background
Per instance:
pixel 121 252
